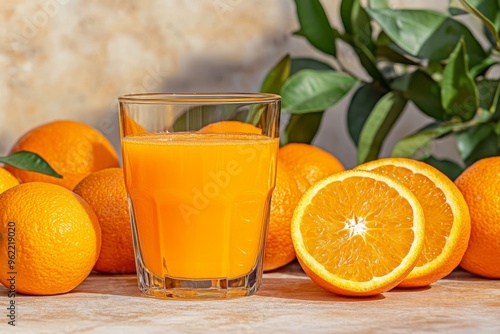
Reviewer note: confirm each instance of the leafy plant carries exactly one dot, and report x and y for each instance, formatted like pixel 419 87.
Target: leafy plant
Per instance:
pixel 29 161
pixel 427 57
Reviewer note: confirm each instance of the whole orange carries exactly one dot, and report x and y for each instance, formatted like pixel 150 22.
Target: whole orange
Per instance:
pixel 308 163
pixel 7 180
pixel 480 184
pixel 106 194
pixel 230 127
pixel 72 149
pixel 50 239
pixel 279 245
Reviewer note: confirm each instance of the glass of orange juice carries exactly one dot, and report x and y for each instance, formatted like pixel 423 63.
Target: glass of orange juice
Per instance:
pixel 199 170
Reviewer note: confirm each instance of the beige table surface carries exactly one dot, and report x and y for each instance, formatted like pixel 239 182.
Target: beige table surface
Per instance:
pixel 288 302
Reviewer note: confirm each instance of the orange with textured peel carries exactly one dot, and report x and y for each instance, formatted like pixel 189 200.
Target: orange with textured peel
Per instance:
pixel 279 246
pixel 230 127
pixel 106 194
pixel 72 149
pixel 308 164
pixel 56 235
pixel 480 185
pixel 358 233
pixel 447 219
pixel 7 180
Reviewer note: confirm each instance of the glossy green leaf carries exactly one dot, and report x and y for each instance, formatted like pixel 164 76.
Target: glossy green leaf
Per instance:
pixel 388 50
pixel 277 76
pixel 459 93
pixel 362 102
pixel 455 11
pixel 490 37
pixel 468 141
pixel 482 67
pixel 485 148
pixel 357 24
pixel 378 125
pixel 312 91
pixel 487 11
pixel 314 25
pixel 31 162
pixel 448 167
pixel 299 64
pixel 369 63
pixel 487 90
pixel 427 34
pixel 345 15
pixel 378 4
pixel 410 145
pixel 302 128
pixel 425 93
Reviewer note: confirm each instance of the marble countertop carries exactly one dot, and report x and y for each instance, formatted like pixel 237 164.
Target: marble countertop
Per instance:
pixel 288 302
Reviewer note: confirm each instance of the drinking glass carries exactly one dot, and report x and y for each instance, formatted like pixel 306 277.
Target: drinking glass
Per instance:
pixel 199 170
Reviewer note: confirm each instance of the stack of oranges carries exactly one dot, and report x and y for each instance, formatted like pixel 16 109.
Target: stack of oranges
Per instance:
pixel 392 222
pixel 388 223
pixel 61 235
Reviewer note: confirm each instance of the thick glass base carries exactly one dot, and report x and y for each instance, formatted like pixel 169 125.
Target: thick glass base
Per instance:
pixel 175 288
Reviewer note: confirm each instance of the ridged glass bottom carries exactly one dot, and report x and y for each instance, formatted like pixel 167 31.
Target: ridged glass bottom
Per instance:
pixel 171 287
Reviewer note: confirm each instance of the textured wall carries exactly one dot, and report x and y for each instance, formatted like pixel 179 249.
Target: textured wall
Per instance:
pixel 72 58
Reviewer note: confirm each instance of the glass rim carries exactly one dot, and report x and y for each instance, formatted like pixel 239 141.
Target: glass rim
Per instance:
pixel 199 97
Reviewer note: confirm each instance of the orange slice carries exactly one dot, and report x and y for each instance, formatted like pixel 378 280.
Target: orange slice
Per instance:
pixel 230 127
pixel 446 214
pixel 358 233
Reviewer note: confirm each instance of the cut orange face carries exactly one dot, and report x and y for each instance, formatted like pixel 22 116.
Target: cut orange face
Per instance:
pixel 446 214
pixel 358 233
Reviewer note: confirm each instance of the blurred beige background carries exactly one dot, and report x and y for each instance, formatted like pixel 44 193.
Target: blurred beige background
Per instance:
pixel 70 59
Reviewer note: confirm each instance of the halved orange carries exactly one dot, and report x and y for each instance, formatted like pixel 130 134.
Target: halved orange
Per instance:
pixel 446 214
pixel 358 233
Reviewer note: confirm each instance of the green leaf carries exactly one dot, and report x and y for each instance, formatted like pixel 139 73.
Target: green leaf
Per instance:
pixel 362 102
pixel 487 11
pixel 488 147
pixel 448 167
pixel 357 23
pixel 312 91
pixel 345 15
pixel 379 4
pixel 425 93
pixel 455 11
pixel 314 25
pixel 31 162
pixel 490 37
pixel 408 146
pixel 369 63
pixel 302 128
pixel 459 92
pixel 379 123
pixel 427 34
pixel 299 64
pixel 486 89
pixel 468 141
pixel 386 49
pixel 483 67
pixel 277 76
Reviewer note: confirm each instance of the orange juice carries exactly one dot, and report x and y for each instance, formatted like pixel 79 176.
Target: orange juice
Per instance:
pixel 200 201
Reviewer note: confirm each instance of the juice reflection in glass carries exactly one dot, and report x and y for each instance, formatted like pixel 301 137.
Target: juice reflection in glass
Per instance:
pixel 199 201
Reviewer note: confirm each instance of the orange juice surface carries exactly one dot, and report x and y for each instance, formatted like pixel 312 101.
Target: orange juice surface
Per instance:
pixel 200 200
